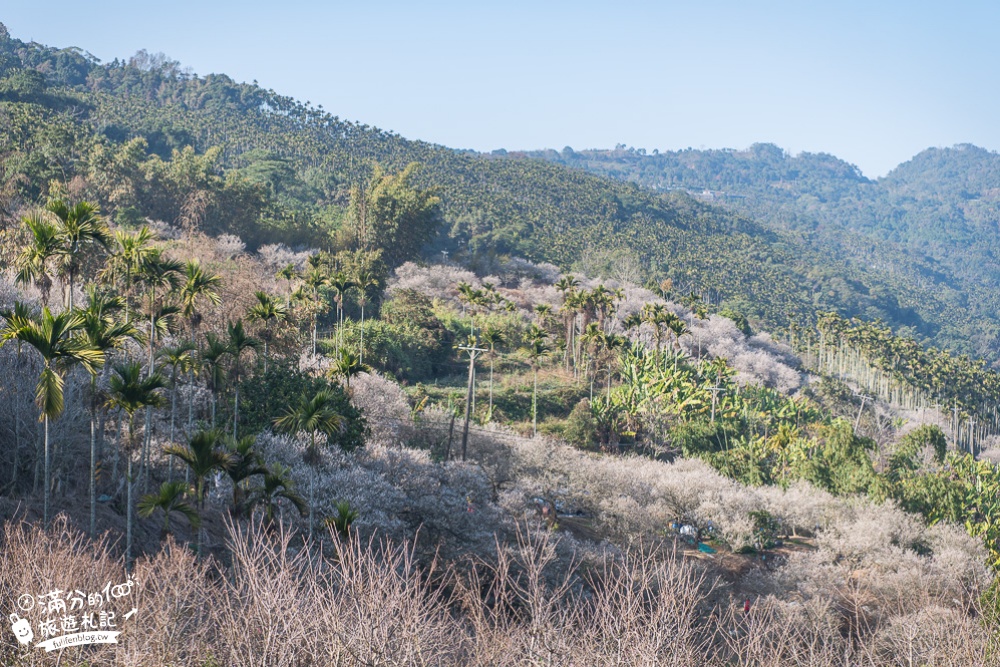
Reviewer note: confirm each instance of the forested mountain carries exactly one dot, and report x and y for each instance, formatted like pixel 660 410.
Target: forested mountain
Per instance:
pixel 147 139
pixel 931 224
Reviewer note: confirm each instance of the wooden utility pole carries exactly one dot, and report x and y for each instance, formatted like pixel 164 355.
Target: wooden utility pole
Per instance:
pixel 473 353
pixel 715 397
pixel 954 425
pixel 863 398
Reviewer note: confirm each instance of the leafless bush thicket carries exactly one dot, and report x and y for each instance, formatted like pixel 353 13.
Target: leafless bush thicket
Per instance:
pixel 374 602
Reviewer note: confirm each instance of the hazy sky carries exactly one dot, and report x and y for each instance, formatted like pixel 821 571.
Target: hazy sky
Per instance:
pixel 871 82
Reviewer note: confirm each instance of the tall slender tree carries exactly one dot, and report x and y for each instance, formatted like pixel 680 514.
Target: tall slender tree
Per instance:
pixel 180 359
pixel 493 337
pixel 316 417
pixel 129 252
pixel 212 358
pixel 103 332
pixel 204 454
pixel 58 341
pixel 197 288
pixel 269 312
pixel 33 264
pixel 80 228
pixel 316 279
pixel 340 283
pixel 158 274
pixel 129 391
pixel 364 280
pixel 239 342
pixel 535 349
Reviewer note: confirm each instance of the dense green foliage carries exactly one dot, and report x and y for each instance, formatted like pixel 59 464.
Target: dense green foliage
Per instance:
pixel 264 397
pixel 926 231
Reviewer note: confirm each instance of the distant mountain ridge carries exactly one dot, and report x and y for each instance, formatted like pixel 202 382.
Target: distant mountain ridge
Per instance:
pixel 933 221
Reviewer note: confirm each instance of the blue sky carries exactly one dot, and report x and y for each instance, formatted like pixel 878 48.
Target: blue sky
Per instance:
pixel 871 82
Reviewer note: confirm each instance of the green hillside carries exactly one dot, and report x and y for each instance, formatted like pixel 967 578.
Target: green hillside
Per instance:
pixel 929 227
pixel 148 139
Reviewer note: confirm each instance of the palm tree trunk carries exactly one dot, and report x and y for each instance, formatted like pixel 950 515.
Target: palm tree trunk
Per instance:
pixel 128 290
pixel 361 350
pixel 173 416
pixel 146 446
pixel 265 353
pixel 567 323
pixel 38 469
pixel 147 440
pixel 312 485
pixel 491 385
pixel 200 492
pixel 48 475
pixel 534 406
pixel 312 502
pixel 314 334
pixel 93 459
pixel 190 421
pixel 118 445
pixel 17 438
pixel 128 501
pixel 236 397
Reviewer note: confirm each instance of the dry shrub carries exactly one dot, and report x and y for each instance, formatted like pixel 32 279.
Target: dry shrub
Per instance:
pixel 264 616
pixel 175 596
pixel 775 634
pixel 34 562
pixel 645 611
pixel 375 605
pixel 368 602
pixel 515 613
pixel 636 608
pixel 930 636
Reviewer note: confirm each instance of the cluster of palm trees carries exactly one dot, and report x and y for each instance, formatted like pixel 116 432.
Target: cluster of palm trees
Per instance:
pixel 902 372
pixel 580 309
pixel 137 297
pixel 662 321
pixel 323 280
pixel 486 299
pixel 588 344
